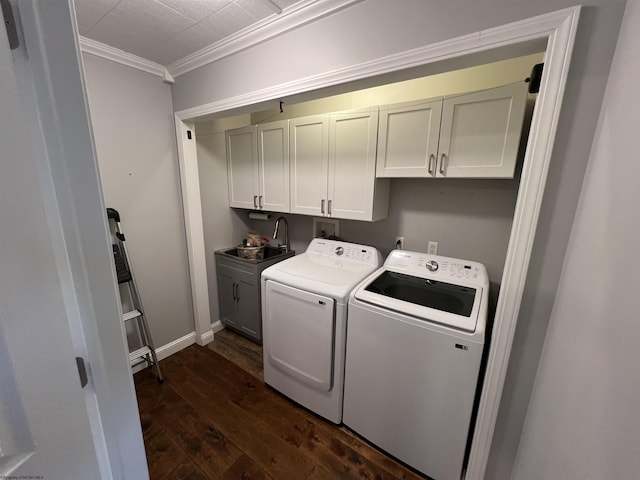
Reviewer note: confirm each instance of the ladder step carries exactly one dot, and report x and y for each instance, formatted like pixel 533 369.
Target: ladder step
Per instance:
pixel 138 354
pixel 130 315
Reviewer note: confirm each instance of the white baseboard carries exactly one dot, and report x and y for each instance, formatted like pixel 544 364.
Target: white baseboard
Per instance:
pixel 168 350
pixel 180 343
pixel 217 326
pixel 205 338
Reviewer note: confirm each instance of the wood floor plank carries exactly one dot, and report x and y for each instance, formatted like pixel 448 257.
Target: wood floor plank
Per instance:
pixel 233 347
pixel 315 437
pixel 276 413
pixel 164 451
pixel 207 447
pixel 267 407
pixel 246 469
pixel 212 419
pixel 187 471
pixel 275 456
pixel 243 352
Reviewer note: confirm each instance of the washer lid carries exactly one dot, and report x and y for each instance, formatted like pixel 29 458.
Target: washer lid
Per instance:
pixel 446 297
pixel 462 307
pixel 437 289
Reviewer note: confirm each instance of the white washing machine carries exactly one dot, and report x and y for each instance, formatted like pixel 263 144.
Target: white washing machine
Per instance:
pixel 304 318
pixel 414 349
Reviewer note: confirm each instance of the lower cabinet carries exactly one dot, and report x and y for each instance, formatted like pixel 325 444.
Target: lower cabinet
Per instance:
pixel 239 293
pixel 239 296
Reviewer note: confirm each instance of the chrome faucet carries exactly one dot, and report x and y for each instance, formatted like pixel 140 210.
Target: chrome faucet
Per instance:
pixel 286 246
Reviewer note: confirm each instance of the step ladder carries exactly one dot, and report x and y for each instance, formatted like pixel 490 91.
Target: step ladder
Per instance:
pixel 131 304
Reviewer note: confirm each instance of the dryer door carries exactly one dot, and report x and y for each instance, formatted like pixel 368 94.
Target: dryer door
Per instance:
pixel 299 331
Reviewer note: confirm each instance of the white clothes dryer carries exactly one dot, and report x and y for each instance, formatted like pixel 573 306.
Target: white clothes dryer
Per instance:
pixel 414 350
pixel 304 321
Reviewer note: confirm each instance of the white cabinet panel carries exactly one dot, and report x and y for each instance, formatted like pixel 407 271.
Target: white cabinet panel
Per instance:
pixel 352 164
pixel 480 133
pixel 242 167
pixel 333 166
pixel 408 139
pixel 258 166
pixel 473 135
pixel 309 144
pixel 273 166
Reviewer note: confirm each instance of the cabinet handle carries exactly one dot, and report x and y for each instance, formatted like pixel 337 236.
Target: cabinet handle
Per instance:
pixel 329 207
pixel 255 201
pixel 322 206
pixel 237 296
pixel 432 159
pixel 260 201
pixel 443 163
pixel 233 291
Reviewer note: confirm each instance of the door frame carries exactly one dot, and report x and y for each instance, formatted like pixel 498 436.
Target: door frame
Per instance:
pixel 558 29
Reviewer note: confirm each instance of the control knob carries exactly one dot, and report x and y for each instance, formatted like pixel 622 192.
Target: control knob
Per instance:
pixel 432 265
pixel 339 251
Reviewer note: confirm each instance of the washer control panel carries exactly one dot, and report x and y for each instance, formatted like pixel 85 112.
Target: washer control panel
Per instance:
pixel 344 251
pixel 436 267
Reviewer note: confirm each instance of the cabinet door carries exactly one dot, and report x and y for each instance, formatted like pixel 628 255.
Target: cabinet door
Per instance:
pixel 227 296
pixel 248 305
pixel 352 164
pixel 480 133
pixel 408 139
pixel 308 152
pixel 242 167
pixel 273 161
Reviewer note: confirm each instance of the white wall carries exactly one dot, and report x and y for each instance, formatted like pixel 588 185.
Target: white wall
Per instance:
pixel 582 420
pixel 462 80
pixel 223 227
pixel 375 28
pixel 132 119
pixel 451 212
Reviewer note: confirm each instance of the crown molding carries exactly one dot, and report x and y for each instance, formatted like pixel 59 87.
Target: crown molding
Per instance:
pixel 102 50
pixel 292 17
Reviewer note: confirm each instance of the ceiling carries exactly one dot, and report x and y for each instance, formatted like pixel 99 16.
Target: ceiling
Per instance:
pixel 164 31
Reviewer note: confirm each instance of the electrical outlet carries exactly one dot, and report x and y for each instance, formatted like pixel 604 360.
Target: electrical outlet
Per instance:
pixel 399 243
pixel 432 248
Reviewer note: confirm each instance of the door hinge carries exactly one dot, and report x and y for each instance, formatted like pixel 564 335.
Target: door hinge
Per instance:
pixel 189 136
pixel 10 24
pixel 82 371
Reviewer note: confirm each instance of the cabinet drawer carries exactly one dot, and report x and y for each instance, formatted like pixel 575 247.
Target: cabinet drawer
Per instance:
pixel 237 265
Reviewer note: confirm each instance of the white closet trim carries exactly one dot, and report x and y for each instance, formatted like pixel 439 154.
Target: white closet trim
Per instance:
pixel 558 29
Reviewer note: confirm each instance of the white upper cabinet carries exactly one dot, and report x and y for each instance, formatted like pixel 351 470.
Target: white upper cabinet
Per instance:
pixel 258 166
pixel 273 166
pixel 480 133
pixel 333 167
pixel 474 135
pixel 309 151
pixel 242 167
pixel 353 190
pixel 408 138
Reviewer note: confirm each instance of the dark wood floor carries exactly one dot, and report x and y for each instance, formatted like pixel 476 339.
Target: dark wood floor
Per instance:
pixel 212 419
pixel 244 353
